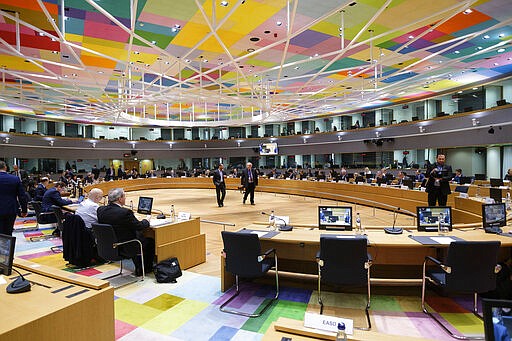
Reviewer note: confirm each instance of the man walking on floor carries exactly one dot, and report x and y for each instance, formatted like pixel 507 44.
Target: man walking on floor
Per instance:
pixel 249 181
pixel 12 196
pixel 220 185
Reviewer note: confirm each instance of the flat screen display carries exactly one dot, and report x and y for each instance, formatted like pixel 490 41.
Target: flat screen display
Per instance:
pixel 269 148
pixel 494 215
pixel 496 182
pixel 145 205
pixel 335 218
pixel 497 319
pixel 428 217
pixel 7 244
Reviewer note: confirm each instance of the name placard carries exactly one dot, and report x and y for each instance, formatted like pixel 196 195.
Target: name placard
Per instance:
pixel 184 215
pixel 328 323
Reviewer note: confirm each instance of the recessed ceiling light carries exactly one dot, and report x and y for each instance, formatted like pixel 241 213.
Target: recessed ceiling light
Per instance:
pixel 65 76
pixel 41 33
pixel 100 71
pixel 496 64
pixel 266 32
pixel 187 60
pixel 167 63
pixel 501 35
pixel 153 42
pixel 475 88
pixel 224 3
pixel 487 36
pixel 296 68
pixel 250 50
pixel 136 52
pixel 55 52
pixel 147 65
pixel 468 11
pixel 501 50
pixel 479 47
pixel 315 55
pixel 457 52
pixel 205 60
pixel 254 39
pixel 411 37
pixel 279 23
pixel 141 24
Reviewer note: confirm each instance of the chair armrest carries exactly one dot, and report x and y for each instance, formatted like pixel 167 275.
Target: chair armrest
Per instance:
pixel 370 258
pixel 127 242
pixel 437 262
pixel 266 254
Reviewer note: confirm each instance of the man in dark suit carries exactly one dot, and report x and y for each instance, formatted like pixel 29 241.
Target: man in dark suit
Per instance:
pixel 220 185
pixel 53 196
pixel 127 227
pixel 110 173
pixel 249 181
pixel 438 185
pixel 41 189
pixel 96 172
pixel 120 173
pixel 12 196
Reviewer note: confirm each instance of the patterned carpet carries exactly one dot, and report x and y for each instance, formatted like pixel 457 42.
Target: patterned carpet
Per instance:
pixel 188 310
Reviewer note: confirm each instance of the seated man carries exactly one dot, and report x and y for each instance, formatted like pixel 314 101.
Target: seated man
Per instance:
pixel 87 209
pixel 41 189
pixel 53 196
pixel 127 227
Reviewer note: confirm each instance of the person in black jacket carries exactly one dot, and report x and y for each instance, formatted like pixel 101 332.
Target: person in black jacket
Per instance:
pixel 438 183
pixel 40 189
pixel 12 196
pixel 249 181
pixel 219 176
pixel 127 227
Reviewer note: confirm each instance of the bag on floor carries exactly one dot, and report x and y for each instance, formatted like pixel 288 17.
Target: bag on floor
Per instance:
pixel 168 270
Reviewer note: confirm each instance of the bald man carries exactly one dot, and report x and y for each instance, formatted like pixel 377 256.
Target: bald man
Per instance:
pixel 88 208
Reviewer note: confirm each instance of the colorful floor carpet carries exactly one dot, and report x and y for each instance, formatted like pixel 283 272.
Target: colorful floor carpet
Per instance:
pixel 189 309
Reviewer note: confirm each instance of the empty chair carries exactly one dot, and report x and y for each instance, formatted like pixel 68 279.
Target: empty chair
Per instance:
pixel 244 259
pixel 344 262
pixel 463 272
pixel 108 247
pixel 42 218
pixel 78 243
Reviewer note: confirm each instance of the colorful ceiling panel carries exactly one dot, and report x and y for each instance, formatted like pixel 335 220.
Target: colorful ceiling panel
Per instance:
pixel 226 63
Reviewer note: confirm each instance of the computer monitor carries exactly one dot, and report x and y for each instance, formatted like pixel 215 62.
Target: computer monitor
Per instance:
pixel 7 244
pixel 495 193
pixel 359 179
pixel 335 218
pixel 494 215
pixel 496 182
pixel 501 102
pixel 480 177
pixel 428 217
pixel 462 189
pixel 465 180
pixel 145 205
pixel 369 176
pixel 497 318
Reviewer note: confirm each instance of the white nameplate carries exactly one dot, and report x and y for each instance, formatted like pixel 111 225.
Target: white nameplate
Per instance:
pixel 305 179
pixel 422 189
pixel 489 200
pixel 463 195
pixel 443 240
pixel 183 215
pixel 328 323
pixel 404 187
pixel 383 185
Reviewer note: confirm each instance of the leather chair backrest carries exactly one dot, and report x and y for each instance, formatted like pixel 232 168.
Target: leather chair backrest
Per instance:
pixel 472 266
pixel 105 240
pixel 343 260
pixel 242 251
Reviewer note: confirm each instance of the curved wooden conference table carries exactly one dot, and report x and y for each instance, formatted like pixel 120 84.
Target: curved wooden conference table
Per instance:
pixel 388 198
pixel 397 258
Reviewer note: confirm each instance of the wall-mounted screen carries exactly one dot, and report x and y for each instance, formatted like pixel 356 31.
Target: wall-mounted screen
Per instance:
pixel 428 217
pixel 269 148
pixel 335 218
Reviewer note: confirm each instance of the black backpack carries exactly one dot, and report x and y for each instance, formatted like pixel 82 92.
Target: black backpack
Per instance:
pixel 167 271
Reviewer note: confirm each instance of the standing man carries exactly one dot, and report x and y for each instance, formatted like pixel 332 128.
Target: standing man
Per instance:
pixel 438 184
pixel 220 185
pixel 96 172
pixel 12 196
pixel 127 227
pixel 249 181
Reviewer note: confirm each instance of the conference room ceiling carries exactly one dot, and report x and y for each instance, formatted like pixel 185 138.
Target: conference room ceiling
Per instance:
pixel 226 63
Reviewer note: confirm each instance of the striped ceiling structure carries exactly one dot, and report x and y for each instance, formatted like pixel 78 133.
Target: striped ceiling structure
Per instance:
pixel 224 63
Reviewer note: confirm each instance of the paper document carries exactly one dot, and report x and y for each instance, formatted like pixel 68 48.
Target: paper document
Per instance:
pixel 260 233
pixel 345 237
pixel 443 240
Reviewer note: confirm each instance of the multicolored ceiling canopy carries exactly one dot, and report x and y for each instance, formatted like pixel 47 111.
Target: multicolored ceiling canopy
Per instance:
pixel 218 63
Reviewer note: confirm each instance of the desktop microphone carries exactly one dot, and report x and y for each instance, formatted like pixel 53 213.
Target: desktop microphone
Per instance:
pixel 284 227
pixel 19 285
pixel 161 215
pixel 131 205
pixel 394 230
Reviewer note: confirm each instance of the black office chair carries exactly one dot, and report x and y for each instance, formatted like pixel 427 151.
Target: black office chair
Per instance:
pixel 43 218
pixel 244 259
pixel 344 262
pixel 470 267
pixel 108 247
pixel 79 247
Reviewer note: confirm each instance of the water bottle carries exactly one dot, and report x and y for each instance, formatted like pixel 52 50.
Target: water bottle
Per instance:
pixel 477 194
pixel 341 335
pixel 441 225
pixel 358 224
pixel 173 213
pixel 272 220
pixel 507 201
